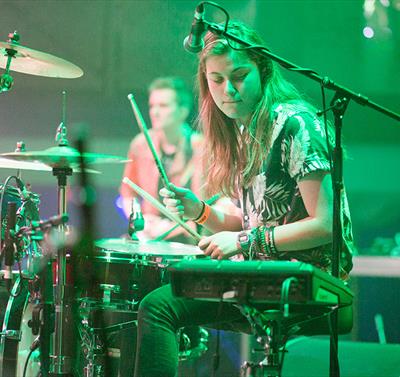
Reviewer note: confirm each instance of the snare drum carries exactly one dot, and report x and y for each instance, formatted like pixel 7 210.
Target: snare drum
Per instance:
pixel 126 270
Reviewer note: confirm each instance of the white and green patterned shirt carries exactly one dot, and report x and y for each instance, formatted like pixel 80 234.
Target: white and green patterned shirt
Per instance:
pixel 298 147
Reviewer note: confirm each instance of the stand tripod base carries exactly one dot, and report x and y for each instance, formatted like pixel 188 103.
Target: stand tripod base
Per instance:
pixel 250 369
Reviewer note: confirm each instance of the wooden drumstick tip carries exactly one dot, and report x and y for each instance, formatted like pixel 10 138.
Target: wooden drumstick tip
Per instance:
pixel 130 96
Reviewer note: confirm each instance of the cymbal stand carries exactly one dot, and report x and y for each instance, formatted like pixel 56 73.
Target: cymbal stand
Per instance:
pixel 61 360
pixel 6 80
pixel 61 134
pixel 20 148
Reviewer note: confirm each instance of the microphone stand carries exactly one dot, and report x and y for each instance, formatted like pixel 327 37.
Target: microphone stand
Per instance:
pixel 339 104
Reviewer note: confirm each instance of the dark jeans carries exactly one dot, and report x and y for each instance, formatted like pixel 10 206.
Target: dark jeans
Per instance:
pixel 160 315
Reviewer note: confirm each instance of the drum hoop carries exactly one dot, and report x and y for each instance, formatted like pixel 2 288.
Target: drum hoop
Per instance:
pixel 117 256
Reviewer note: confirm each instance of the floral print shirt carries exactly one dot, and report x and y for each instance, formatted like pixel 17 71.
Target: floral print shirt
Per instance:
pixel 298 147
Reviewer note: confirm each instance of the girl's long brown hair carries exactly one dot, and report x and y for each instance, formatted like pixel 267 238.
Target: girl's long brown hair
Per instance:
pixel 234 159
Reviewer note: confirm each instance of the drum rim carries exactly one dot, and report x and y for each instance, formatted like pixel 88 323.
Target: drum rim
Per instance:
pixel 115 248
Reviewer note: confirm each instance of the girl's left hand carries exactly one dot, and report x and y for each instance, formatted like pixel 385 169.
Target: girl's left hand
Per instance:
pixel 220 245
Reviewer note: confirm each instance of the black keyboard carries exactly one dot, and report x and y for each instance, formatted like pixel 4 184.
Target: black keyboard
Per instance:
pixel 257 282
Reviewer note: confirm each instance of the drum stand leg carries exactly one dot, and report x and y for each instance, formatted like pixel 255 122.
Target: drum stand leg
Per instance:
pixel 267 328
pixel 46 327
pixel 93 351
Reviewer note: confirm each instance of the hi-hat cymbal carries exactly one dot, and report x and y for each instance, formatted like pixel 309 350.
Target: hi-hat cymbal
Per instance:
pixel 63 156
pixel 37 63
pixel 37 166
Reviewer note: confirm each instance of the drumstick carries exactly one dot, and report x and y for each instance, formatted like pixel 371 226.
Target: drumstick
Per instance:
pixel 155 203
pixel 209 201
pixel 144 129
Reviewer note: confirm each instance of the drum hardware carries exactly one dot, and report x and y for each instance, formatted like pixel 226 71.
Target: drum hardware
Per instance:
pixel 36 321
pixel 19 148
pixel 107 289
pixel 61 134
pixel 95 331
pixel 61 357
pixel 136 220
pixel 11 334
pixel 22 59
pixel 192 346
pixel 37 301
pixel 62 157
pixel 6 79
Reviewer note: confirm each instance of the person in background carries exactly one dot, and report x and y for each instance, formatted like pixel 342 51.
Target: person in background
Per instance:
pixel 177 145
pixel 265 147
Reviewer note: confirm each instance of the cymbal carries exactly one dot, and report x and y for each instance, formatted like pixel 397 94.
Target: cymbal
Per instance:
pixel 63 156
pixel 37 63
pixel 37 166
pixel 155 248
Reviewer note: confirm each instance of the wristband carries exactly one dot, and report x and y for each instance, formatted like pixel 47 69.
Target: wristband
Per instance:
pixel 203 208
pixel 204 215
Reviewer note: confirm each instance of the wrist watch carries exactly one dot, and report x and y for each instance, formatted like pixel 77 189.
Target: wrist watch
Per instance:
pixel 243 241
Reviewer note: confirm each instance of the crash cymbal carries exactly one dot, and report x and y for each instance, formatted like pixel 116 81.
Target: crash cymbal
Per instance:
pixel 63 156
pixel 37 63
pixel 37 166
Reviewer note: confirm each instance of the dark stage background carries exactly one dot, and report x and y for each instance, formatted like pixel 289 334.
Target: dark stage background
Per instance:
pixel 122 45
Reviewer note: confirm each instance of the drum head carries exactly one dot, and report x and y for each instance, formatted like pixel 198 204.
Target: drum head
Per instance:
pixel 121 247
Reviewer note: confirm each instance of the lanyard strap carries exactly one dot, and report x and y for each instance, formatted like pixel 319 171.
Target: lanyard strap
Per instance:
pixel 245 215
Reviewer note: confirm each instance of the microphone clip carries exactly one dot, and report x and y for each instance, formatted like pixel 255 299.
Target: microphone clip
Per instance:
pixel 136 220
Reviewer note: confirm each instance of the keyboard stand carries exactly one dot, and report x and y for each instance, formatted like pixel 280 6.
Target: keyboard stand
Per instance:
pixel 267 328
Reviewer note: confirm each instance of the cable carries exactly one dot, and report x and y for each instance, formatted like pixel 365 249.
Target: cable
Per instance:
pixel 32 348
pixel 332 317
pixel 4 188
pixel 284 304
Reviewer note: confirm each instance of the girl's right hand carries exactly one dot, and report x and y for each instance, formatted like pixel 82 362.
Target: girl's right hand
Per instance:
pixel 181 201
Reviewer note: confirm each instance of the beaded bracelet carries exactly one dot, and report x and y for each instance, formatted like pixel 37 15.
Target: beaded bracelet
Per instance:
pixel 271 241
pixel 254 243
pixel 261 237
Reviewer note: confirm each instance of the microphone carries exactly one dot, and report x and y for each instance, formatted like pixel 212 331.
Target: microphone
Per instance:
pixel 194 41
pixel 9 246
pixel 136 220
pixel 50 222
